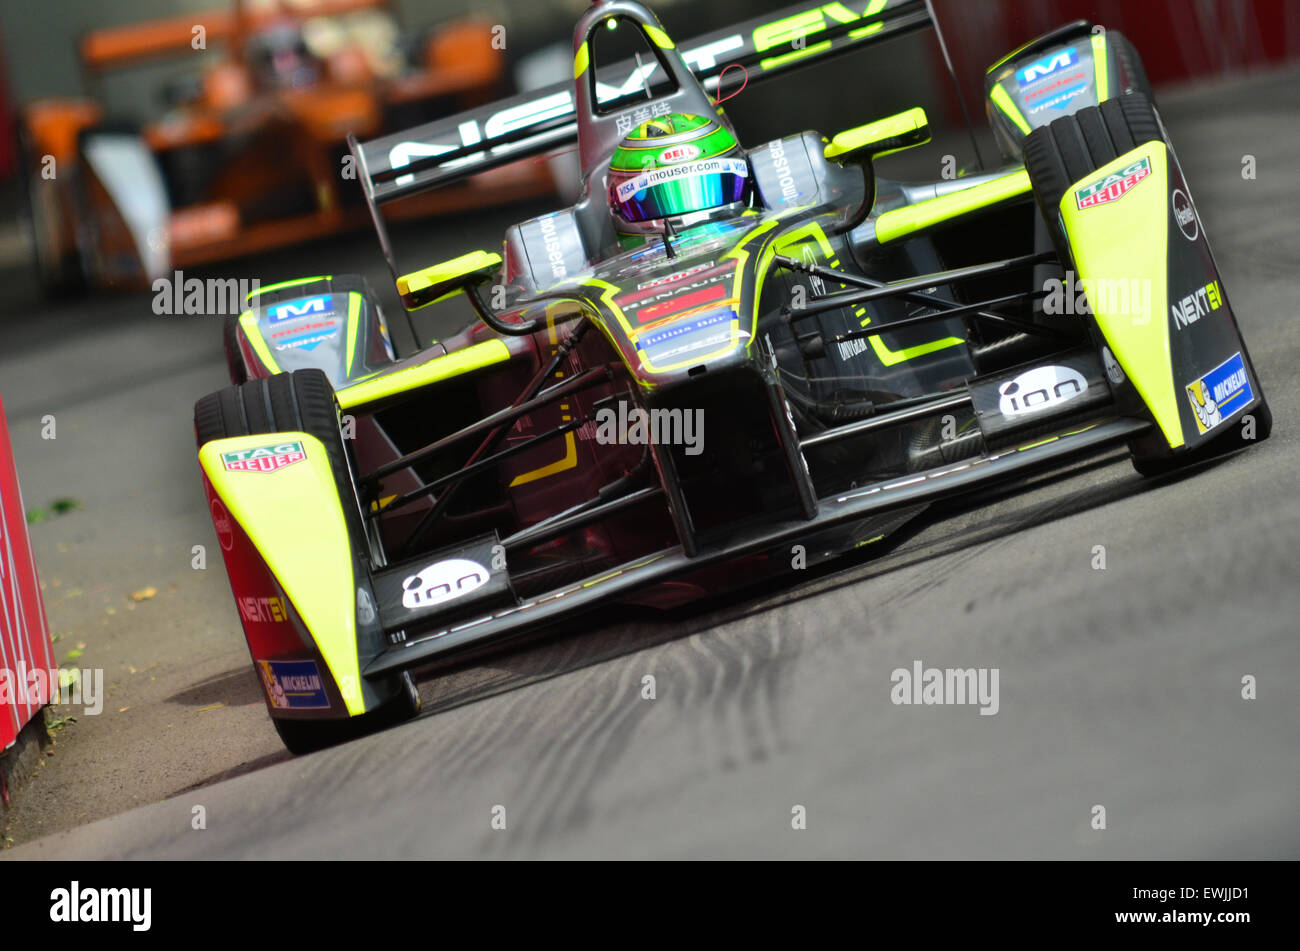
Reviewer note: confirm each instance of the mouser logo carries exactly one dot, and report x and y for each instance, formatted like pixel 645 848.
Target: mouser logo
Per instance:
pixel 784 175
pixel 554 253
pixel 1038 389
pixel 679 153
pixel 442 581
pixel 1114 186
pixel 264 458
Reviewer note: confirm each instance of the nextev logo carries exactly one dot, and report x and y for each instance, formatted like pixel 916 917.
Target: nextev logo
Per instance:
pixel 75 904
pixel 642 427
pixel 948 685
pixel 1196 305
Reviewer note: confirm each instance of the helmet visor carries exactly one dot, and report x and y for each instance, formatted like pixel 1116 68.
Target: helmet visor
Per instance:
pixel 682 189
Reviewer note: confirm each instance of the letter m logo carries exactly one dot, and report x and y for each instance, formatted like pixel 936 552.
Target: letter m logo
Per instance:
pixel 299 308
pixel 1047 65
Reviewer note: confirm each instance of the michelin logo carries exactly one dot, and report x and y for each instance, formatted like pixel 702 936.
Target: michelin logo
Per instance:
pixel 1220 393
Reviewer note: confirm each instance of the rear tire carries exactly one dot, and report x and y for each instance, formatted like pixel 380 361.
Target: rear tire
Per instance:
pixel 303 401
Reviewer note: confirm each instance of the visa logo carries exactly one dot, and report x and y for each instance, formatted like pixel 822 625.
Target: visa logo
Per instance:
pixel 300 308
pixel 1062 59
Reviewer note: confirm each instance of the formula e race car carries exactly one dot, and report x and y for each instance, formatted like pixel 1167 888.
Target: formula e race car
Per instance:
pixel 721 364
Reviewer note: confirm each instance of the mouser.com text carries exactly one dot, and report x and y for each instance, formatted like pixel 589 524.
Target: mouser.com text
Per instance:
pixel 660 175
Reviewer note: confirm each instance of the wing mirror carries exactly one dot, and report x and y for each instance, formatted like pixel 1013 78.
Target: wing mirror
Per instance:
pixel 882 137
pixel 440 281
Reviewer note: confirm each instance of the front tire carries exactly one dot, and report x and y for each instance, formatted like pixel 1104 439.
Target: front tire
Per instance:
pixel 303 401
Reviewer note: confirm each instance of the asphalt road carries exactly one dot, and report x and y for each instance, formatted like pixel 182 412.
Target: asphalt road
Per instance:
pixel 1119 688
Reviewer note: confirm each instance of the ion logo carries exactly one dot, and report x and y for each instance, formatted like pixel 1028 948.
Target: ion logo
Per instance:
pixel 1038 389
pixel 1114 372
pixel 442 581
pixel 1185 215
pixel 264 458
pixel 679 153
pixel 1114 186
pixel 1047 65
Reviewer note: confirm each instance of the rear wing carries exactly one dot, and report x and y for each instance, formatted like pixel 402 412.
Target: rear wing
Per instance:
pixel 533 123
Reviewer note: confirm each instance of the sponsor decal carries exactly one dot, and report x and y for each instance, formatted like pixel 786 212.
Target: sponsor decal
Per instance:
pixel 293 684
pixel 307 307
pixel 1197 304
pixel 442 581
pixel 265 610
pixel 784 174
pixel 1220 393
pixel 679 153
pixel 1042 68
pixel 659 176
pixel 554 253
pixel 1114 372
pixel 264 458
pixel 674 277
pixel 678 329
pixel 224 525
pixel 305 336
pixel 1114 186
pixel 1063 93
pixel 1185 215
pixel 1040 389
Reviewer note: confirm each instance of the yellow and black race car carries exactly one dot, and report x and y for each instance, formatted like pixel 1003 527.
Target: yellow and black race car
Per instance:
pixel 721 364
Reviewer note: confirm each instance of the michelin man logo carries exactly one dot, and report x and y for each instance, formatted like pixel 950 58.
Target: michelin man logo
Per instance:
pixel 1207 410
pixel 442 581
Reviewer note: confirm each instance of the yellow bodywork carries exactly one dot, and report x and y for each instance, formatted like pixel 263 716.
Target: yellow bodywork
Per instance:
pixel 295 521
pixel 1125 240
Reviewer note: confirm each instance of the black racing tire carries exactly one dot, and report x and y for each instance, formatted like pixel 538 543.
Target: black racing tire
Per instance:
pixel 1059 154
pixel 1130 64
pixel 303 401
pixel 230 345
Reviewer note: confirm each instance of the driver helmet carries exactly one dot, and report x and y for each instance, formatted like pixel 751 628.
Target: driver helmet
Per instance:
pixel 685 169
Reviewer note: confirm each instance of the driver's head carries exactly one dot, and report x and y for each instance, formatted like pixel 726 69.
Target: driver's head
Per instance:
pixel 687 169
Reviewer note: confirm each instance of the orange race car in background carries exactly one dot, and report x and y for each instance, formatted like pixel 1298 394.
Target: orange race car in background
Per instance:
pixel 251 151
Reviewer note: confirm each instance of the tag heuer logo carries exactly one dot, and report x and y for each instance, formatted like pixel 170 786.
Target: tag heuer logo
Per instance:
pixel 1114 186
pixel 264 458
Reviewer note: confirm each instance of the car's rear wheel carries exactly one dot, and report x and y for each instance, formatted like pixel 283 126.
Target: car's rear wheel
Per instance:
pixel 303 401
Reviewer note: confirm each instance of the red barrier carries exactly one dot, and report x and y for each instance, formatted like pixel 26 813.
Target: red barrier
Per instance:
pixel 25 646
